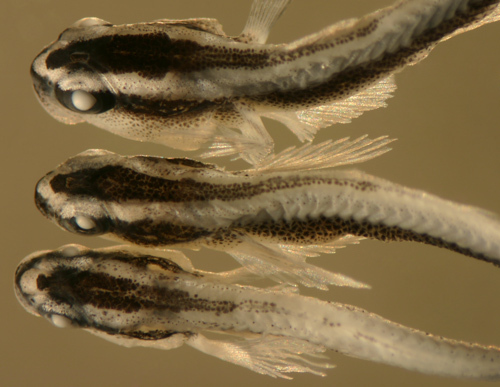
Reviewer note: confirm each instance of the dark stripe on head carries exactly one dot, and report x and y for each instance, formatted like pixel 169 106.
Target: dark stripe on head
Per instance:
pixel 115 183
pixel 151 55
pixel 78 289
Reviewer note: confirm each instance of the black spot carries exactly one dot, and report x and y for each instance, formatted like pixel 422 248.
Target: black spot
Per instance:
pixel 42 282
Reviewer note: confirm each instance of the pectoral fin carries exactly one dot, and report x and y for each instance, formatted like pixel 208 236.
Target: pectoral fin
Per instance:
pixel 287 267
pixel 327 154
pixel 268 355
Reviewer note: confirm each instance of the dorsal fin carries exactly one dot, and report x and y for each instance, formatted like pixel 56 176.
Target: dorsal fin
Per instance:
pixel 263 15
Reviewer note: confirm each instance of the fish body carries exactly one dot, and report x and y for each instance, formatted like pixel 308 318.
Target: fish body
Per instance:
pixel 134 299
pixel 269 220
pixel 185 83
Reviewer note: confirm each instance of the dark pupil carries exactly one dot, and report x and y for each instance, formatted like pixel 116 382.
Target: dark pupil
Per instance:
pixel 42 282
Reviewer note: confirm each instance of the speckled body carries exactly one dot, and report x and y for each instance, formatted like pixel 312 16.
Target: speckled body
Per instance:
pixel 134 299
pixel 159 202
pixel 184 83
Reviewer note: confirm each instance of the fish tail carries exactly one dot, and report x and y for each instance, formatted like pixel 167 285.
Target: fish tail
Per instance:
pixel 358 333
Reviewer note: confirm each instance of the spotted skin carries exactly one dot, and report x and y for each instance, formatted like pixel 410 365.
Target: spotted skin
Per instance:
pixel 134 299
pixel 156 202
pixel 186 84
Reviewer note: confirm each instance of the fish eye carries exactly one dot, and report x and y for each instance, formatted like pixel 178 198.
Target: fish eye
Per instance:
pixel 83 224
pixel 60 321
pixel 82 101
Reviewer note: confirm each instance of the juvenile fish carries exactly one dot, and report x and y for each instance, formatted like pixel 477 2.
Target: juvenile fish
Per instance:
pixel 133 299
pixel 185 83
pixel 269 220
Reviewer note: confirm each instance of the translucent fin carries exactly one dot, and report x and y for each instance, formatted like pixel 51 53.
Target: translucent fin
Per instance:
pixel 327 154
pixel 344 111
pixel 236 276
pixel 272 262
pixel 263 15
pixel 302 130
pixel 284 289
pixel 311 251
pixel 268 355
pixel 252 144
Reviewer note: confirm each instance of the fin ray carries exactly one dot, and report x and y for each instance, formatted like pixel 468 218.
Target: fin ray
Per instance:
pixel 327 154
pixel 268 355
pixel 277 264
pixel 345 111
pixel 263 15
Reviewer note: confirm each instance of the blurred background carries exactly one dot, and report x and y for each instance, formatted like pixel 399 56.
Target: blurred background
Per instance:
pixel 445 115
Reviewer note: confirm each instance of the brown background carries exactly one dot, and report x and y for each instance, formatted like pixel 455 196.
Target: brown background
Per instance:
pixel 446 115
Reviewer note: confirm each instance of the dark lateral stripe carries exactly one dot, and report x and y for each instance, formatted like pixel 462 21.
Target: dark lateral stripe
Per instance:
pixel 162 108
pixel 79 288
pixel 351 80
pixel 324 229
pixel 115 183
pixel 152 55
pixel 144 334
pixel 151 335
pixel 149 233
